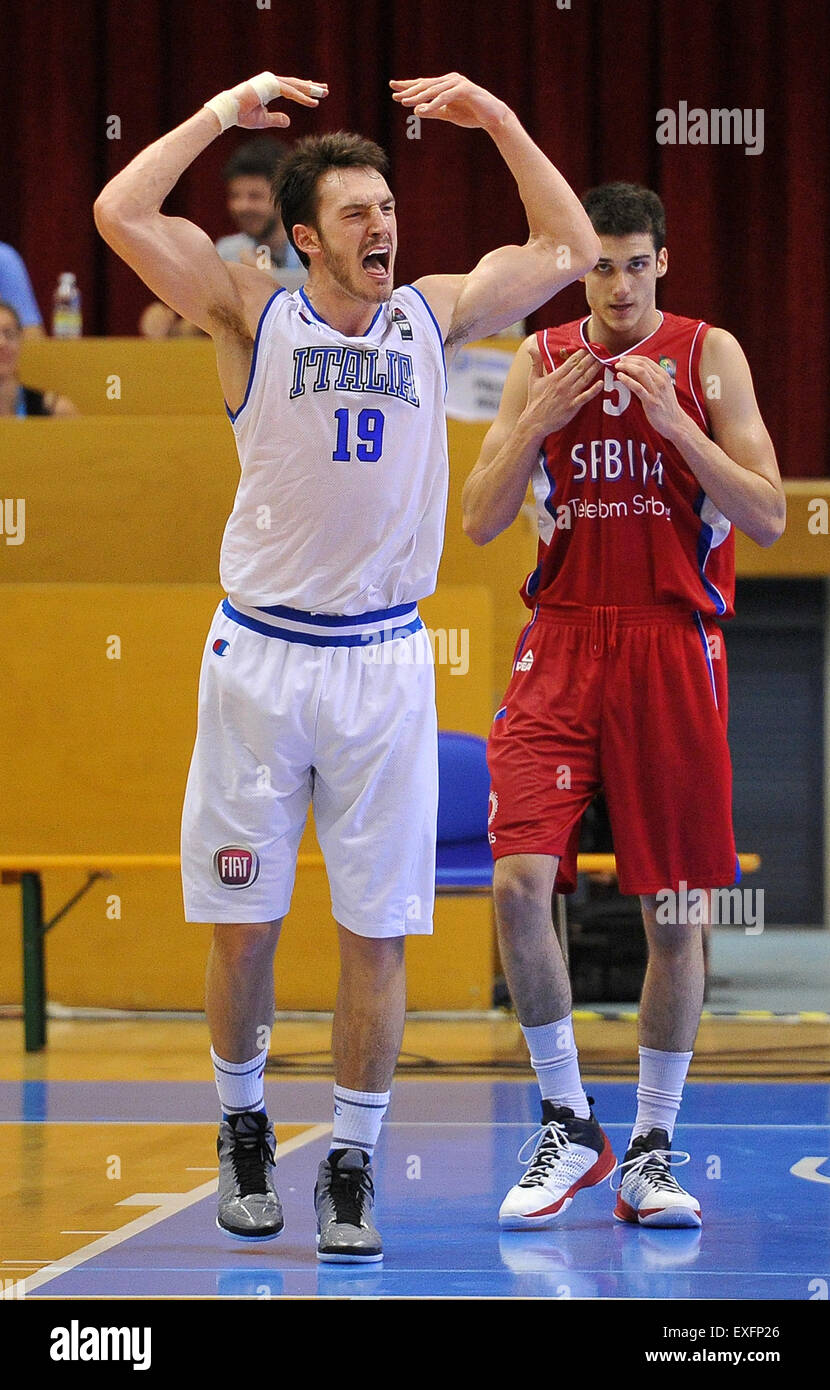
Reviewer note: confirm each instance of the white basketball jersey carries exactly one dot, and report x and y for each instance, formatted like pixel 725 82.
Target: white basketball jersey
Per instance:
pixel 343 447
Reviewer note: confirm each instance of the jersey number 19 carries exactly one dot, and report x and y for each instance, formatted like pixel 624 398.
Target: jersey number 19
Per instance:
pixel 369 435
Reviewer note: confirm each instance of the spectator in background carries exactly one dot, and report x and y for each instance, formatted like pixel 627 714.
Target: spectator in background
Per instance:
pixel 15 398
pixel 16 291
pixel 249 175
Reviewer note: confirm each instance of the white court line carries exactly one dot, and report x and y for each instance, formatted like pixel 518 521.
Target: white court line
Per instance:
pixel 525 1124
pixel 445 1298
pixel 212 1123
pixel 404 1124
pixel 153 1218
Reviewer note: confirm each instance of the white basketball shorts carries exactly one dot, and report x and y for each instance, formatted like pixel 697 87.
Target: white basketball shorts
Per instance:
pixel 298 709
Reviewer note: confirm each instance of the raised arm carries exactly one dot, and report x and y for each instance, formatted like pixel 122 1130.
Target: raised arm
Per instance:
pixel 175 258
pixel 509 283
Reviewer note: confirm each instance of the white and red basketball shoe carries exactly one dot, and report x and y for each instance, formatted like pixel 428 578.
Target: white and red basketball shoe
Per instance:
pixel 571 1153
pixel 648 1194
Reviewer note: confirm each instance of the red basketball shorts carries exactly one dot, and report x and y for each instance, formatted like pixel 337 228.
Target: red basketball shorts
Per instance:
pixel 633 702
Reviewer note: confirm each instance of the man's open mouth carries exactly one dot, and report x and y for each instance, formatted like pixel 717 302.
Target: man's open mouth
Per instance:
pixel 376 262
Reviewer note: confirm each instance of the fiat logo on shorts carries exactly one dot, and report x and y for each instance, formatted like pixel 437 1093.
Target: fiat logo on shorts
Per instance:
pixel 236 866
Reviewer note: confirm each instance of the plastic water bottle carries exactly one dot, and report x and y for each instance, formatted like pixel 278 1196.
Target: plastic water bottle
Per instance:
pixel 66 308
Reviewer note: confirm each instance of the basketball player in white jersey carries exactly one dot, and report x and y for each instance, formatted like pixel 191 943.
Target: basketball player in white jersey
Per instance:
pixel 335 395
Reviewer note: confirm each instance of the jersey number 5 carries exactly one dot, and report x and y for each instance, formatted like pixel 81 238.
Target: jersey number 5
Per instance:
pixel 613 387
pixel 369 435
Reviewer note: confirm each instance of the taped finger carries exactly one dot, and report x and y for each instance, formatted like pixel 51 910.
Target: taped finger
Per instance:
pixel 266 86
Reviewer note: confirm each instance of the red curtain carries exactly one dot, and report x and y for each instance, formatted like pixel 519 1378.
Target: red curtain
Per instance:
pixel 747 234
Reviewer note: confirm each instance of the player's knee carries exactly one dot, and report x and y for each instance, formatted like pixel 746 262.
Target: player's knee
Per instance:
pixel 673 938
pixel 521 890
pixel 372 958
pixel 245 944
pixel 370 949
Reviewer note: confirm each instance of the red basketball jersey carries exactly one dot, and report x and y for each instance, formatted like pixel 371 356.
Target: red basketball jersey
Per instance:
pixel 622 519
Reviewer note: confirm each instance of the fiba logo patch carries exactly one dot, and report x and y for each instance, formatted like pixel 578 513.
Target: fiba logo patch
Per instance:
pixel 236 866
pixel 404 326
pixel 220 646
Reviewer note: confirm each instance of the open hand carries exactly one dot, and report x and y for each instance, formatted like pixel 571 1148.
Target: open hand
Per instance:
pixel 450 98
pixel 253 110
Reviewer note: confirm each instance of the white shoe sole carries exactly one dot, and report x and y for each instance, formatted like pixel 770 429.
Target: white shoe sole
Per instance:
pixel 347 1259
pixel 670 1218
pixel 248 1240
pixel 517 1222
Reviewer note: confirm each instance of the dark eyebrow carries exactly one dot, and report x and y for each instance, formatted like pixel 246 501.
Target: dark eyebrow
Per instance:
pixel 358 207
pixel 643 256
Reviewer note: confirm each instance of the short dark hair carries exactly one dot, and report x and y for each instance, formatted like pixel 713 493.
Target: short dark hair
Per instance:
pixel 623 209
pixel 261 158
pixel 295 183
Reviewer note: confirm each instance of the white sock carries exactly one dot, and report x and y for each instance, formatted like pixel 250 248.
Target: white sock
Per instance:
pixel 358 1116
pixel 240 1084
pixel 660 1090
pixel 554 1058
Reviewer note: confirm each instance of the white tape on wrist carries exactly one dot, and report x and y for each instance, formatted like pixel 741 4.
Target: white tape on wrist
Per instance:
pixel 226 109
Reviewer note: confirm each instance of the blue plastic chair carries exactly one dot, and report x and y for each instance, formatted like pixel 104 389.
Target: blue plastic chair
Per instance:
pixel 464 863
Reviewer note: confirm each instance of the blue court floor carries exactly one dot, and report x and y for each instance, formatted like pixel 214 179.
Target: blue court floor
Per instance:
pixel 760 1166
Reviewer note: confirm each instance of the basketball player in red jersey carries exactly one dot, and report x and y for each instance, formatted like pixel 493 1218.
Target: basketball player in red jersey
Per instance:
pixel 642 438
